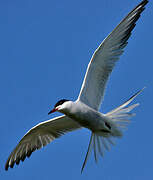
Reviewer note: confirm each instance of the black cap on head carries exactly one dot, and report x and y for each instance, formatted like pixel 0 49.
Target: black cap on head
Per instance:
pixel 60 102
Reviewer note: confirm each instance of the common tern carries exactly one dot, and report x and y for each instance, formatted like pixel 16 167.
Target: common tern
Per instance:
pixel 84 112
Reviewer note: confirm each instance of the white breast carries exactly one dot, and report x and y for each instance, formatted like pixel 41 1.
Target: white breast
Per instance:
pixel 86 116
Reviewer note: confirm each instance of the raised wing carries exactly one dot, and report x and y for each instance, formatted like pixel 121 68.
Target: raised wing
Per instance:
pixel 105 57
pixel 39 136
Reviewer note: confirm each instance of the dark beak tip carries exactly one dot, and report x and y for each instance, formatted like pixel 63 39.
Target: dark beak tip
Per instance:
pixel 50 112
pixel 53 110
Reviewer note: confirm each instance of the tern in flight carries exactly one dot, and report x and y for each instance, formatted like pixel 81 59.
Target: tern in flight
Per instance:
pixel 84 112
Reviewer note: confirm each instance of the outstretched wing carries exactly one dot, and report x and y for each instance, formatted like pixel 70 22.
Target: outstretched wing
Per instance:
pixel 105 57
pixel 39 136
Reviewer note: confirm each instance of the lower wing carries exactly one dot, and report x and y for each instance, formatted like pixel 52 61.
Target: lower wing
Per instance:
pixel 39 136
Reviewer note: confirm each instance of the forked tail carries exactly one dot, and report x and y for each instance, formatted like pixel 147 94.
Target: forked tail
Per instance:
pixel 119 117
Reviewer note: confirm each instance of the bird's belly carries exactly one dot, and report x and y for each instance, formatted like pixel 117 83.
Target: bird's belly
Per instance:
pixel 91 120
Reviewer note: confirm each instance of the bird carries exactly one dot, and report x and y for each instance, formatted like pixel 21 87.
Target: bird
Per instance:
pixel 84 112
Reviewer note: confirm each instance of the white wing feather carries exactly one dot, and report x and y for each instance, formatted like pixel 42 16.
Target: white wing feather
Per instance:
pixel 39 136
pixel 105 57
pixel 92 91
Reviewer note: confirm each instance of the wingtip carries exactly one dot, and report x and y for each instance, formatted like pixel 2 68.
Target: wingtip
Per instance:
pixel 6 168
pixel 7 165
pixel 141 90
pixel 144 88
pixel 82 167
pixel 81 170
pixel 144 2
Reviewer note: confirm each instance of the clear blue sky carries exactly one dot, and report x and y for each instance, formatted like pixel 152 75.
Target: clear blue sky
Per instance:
pixel 45 48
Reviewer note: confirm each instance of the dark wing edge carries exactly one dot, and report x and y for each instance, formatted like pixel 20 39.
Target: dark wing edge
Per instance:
pixel 132 22
pixel 39 136
pixel 108 53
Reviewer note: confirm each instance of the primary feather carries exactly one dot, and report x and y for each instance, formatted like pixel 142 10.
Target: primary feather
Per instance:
pixel 105 58
pixel 90 97
pixel 39 136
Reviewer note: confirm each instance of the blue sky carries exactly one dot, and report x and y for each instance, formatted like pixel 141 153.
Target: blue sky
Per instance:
pixel 45 48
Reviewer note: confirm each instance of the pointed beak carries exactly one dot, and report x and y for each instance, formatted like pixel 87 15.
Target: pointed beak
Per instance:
pixel 53 110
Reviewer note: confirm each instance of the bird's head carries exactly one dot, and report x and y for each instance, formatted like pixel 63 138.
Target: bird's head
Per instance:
pixel 61 106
